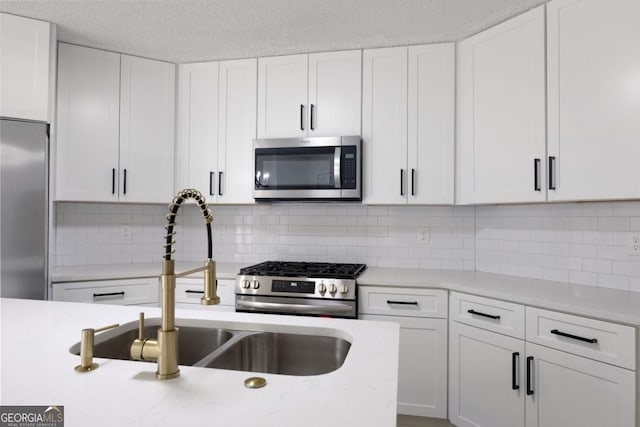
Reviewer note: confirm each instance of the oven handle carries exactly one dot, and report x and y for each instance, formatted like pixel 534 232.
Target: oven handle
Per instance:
pixel 337 157
pixel 295 308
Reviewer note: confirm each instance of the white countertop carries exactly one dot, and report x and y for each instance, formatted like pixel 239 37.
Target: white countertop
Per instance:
pixel 600 303
pixel 130 271
pixel 37 369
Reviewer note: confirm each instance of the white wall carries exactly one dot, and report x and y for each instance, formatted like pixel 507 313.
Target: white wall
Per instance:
pixel 584 243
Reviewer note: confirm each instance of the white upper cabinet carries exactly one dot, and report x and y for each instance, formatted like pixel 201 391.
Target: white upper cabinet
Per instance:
pixel 197 144
pixel 593 74
pixel 501 113
pixel 87 161
pixel 147 115
pixel 384 125
pixel 335 92
pixel 309 95
pixel 115 139
pixel 282 96
pixel 24 68
pixel 236 130
pixel 431 116
pixel 408 124
pixel 216 127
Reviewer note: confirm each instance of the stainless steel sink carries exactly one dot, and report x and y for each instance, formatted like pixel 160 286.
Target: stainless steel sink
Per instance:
pixel 282 353
pixel 194 342
pixel 203 345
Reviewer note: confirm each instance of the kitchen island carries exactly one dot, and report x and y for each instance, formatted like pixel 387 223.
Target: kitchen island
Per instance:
pixel 36 368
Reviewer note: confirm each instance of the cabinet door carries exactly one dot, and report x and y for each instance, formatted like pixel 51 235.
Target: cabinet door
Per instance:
pixel 147 114
pixel 237 129
pixel 431 124
pixel 24 68
pixel 593 67
pixel 282 96
pixel 88 124
pixel 196 153
pixel 571 391
pixel 422 365
pixel 501 113
pixel 484 388
pixel 335 90
pixel 384 125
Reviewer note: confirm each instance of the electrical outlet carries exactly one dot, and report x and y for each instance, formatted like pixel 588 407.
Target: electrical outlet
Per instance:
pixel 423 236
pixel 125 233
pixel 634 244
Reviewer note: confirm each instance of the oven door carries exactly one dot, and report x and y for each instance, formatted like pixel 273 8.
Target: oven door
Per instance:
pixel 296 306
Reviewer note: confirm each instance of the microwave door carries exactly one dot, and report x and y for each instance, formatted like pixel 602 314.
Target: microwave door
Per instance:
pixel 337 155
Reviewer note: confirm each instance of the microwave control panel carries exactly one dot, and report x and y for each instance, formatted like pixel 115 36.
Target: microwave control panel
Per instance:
pixel 348 170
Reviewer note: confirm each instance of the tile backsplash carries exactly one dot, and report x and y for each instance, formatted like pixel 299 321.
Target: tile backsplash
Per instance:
pixel 378 236
pixel 584 243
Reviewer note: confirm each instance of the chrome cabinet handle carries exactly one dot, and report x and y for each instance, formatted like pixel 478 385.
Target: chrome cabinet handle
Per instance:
pixel 113 181
pixel 220 183
pixel 402 302
pixel 402 182
pixel 301 117
pixel 124 186
pixel 212 178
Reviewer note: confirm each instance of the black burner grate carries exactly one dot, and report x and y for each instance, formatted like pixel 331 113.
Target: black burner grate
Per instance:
pixel 305 269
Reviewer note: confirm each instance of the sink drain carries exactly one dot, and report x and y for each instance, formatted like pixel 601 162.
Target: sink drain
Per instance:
pixel 255 382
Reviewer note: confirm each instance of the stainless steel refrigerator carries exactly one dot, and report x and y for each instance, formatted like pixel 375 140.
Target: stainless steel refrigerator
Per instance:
pixel 24 171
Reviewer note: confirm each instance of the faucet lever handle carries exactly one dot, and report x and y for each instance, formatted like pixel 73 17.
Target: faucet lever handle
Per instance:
pixel 141 326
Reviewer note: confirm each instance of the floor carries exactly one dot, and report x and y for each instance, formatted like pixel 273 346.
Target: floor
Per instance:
pixel 409 421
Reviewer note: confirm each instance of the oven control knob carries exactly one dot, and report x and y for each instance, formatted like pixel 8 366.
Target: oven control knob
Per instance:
pixel 344 289
pixel 322 288
pixel 246 284
pixel 332 288
pixel 255 284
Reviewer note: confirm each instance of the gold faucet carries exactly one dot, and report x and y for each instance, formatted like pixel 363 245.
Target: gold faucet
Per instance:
pixel 164 350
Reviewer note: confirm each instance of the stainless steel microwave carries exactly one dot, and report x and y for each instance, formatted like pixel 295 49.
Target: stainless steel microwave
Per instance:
pixel 319 168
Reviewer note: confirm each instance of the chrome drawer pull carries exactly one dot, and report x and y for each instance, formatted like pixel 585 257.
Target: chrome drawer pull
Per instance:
pixel 490 316
pixel 193 291
pixel 575 337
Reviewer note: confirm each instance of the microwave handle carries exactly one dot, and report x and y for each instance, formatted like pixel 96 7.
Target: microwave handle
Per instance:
pixel 337 157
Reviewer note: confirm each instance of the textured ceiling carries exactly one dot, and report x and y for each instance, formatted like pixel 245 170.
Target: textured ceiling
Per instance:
pixel 198 30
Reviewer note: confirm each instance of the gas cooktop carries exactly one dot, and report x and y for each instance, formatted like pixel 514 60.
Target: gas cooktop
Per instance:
pixel 304 269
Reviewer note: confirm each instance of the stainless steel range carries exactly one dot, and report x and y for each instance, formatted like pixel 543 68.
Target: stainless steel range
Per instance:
pixel 301 288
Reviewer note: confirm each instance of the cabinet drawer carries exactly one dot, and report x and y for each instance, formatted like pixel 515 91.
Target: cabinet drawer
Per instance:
pixel 608 342
pixel 494 315
pixel 117 292
pixel 190 290
pixel 402 302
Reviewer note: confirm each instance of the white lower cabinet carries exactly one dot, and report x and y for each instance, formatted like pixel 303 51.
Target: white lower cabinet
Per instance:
pixel 117 292
pixel 498 380
pixel 190 290
pixel 422 370
pixel 569 390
